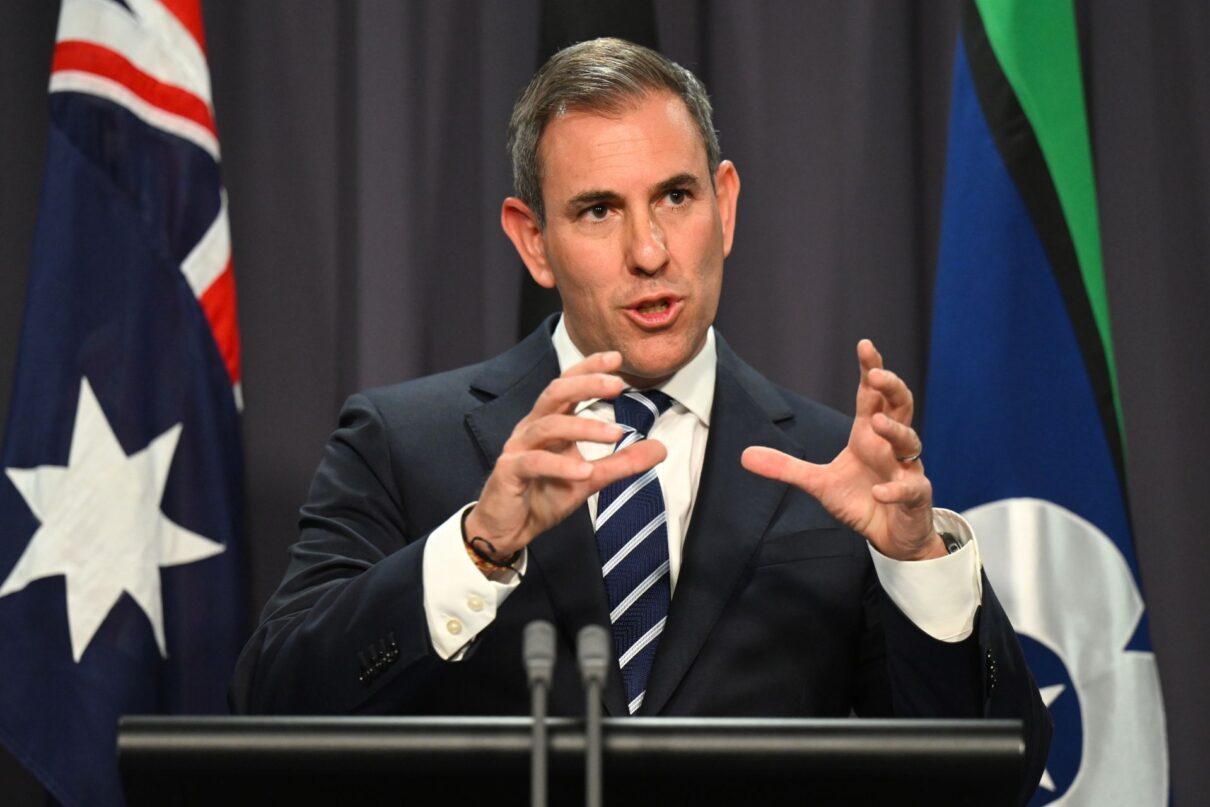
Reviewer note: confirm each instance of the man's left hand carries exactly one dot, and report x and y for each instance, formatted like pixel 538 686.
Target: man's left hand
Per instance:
pixel 876 484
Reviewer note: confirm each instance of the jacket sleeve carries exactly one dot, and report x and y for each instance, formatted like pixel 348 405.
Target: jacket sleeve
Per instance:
pixel 982 676
pixel 345 631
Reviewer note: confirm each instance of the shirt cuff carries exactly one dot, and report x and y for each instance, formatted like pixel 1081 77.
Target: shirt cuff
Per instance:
pixel 459 602
pixel 941 595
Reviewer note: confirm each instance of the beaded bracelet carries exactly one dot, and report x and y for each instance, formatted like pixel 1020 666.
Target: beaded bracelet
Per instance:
pixel 482 560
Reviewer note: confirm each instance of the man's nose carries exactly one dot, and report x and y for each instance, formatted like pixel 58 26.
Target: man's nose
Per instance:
pixel 648 249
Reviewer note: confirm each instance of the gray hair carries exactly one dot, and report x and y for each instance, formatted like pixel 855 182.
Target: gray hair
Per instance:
pixel 601 75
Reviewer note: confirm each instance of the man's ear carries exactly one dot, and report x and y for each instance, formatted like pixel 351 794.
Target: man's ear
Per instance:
pixel 726 192
pixel 521 226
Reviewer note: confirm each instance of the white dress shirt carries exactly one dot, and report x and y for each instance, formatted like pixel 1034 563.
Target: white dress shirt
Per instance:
pixel 940 596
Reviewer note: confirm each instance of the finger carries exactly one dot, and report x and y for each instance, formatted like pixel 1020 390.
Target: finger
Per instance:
pixel 903 440
pixel 869 400
pixel 893 390
pixel 777 465
pixel 548 429
pixel 562 394
pixel 548 465
pixel 637 458
pixel 913 492
pixel 868 357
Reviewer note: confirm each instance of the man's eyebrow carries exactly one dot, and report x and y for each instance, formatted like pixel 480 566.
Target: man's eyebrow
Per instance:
pixel 589 198
pixel 684 181
pixel 600 196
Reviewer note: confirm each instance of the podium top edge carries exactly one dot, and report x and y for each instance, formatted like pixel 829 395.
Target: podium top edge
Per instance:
pixel 337 723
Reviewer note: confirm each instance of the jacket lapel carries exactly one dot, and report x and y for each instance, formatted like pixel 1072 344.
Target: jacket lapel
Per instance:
pixel 731 513
pixel 564 557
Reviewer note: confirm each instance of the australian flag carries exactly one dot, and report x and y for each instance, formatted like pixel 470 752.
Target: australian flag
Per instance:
pixel 120 497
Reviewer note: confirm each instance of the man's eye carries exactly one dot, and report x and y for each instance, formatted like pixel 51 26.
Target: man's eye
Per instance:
pixel 597 212
pixel 678 197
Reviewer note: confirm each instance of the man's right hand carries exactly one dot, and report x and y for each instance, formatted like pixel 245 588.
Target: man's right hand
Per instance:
pixel 541 477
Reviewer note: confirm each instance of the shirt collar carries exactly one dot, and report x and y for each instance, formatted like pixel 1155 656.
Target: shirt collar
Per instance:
pixel 692 386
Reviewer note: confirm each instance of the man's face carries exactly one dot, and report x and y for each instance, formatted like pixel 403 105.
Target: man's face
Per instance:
pixel 635 233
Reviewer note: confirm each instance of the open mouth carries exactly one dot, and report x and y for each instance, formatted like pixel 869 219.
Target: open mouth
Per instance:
pixel 657 312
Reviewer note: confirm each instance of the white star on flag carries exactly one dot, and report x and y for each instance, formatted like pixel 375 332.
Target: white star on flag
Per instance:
pixel 1049 695
pixel 101 525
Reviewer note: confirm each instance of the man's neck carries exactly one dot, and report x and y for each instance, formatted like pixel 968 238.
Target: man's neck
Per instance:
pixel 692 385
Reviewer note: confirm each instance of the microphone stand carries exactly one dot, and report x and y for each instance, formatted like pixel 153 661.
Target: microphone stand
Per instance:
pixel 593 646
pixel 538 652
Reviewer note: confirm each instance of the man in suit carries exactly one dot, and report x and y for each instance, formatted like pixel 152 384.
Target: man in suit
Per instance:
pixel 796 564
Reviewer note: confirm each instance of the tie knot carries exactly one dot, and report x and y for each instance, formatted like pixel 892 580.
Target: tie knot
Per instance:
pixel 639 409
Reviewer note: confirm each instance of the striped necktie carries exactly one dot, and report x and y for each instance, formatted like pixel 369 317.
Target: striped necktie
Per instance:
pixel 633 543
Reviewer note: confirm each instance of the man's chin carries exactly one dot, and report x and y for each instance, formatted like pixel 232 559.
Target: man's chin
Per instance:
pixel 644 381
pixel 653 370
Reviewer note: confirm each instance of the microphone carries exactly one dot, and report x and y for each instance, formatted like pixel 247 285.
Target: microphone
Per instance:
pixel 593 646
pixel 538 653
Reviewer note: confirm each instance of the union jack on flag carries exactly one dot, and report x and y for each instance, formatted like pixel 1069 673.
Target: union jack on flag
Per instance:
pixel 121 491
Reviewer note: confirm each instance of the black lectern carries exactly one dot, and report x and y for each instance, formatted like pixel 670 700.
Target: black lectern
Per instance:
pixel 664 761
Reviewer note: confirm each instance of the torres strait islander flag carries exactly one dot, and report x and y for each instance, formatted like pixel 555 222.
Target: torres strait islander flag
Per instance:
pixel 120 497
pixel 1024 429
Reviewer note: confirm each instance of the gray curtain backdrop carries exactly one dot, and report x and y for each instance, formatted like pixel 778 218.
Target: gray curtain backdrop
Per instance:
pixel 363 148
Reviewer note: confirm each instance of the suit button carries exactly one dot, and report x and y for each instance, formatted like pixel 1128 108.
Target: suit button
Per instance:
pixel 454 627
pixel 475 603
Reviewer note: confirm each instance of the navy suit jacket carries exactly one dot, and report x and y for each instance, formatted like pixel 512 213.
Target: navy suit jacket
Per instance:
pixel 777 609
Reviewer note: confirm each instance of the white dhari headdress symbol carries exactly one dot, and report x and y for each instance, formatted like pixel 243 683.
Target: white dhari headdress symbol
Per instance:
pixel 1064 583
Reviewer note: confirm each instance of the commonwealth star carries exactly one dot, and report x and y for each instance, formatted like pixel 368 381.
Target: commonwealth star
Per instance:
pixel 101 525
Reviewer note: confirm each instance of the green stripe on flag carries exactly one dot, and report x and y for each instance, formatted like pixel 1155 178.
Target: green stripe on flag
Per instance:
pixel 1038 50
